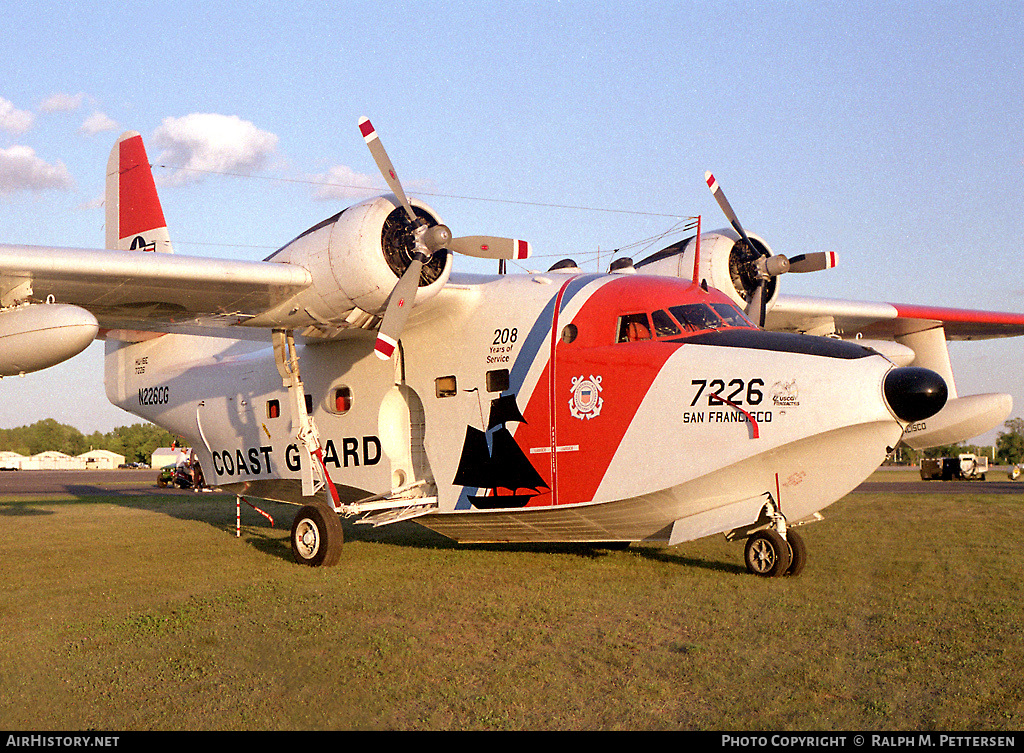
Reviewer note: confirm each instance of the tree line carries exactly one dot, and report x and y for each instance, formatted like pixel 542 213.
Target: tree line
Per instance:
pixel 135 442
pixel 1010 443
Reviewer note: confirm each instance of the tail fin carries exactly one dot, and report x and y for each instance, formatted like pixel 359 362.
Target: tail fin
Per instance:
pixel 135 220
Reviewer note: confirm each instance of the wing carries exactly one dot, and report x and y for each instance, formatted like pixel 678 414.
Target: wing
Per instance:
pixel 342 276
pixel 888 321
pixel 912 335
pixel 141 290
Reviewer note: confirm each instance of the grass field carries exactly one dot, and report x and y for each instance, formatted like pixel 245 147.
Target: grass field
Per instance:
pixel 146 612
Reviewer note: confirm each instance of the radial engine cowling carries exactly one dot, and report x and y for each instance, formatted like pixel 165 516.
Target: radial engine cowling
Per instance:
pixel 726 263
pixel 355 258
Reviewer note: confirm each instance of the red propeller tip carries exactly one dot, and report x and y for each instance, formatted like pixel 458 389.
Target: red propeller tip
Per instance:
pixel 384 347
pixel 366 128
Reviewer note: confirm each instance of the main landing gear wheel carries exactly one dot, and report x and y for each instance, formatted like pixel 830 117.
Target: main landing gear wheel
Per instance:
pixel 798 552
pixel 767 554
pixel 317 537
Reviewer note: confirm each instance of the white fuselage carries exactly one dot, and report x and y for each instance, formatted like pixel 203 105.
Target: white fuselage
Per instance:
pixel 639 440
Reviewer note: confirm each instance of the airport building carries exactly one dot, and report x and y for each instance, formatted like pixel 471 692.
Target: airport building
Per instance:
pixel 164 457
pixel 58 461
pixel 102 459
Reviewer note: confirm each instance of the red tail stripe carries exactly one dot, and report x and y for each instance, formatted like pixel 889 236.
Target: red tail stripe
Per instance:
pixel 138 204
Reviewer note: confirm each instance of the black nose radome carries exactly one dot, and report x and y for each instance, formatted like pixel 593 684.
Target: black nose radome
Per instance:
pixel 913 393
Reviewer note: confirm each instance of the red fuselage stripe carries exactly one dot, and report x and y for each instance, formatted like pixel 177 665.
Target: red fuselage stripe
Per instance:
pixel 551 392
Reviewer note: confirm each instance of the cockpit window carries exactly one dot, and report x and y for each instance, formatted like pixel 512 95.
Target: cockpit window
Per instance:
pixel 663 324
pixel 732 315
pixel 696 316
pixel 633 328
pixel 685 320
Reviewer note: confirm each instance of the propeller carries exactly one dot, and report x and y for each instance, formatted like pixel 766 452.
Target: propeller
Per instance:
pixel 813 262
pixel 427 240
pixel 763 267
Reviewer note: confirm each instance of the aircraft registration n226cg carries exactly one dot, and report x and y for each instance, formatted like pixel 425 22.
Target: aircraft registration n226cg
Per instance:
pixel 353 373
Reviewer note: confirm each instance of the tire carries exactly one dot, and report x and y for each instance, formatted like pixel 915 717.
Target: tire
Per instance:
pixel 317 537
pixel 798 552
pixel 767 554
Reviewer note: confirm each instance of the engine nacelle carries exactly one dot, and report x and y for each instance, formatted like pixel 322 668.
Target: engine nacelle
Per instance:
pixel 725 263
pixel 355 259
pixel 39 335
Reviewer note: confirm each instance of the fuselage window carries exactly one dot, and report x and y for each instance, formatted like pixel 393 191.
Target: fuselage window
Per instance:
pixel 497 380
pixel 342 400
pixel 633 328
pixel 445 386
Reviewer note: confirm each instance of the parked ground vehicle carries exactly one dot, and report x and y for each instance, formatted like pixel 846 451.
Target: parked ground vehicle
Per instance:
pixel 178 476
pixel 964 467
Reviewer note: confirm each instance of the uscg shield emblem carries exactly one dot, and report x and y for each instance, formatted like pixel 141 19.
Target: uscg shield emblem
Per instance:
pixel 586 400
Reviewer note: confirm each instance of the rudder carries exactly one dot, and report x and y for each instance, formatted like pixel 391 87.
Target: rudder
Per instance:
pixel 134 217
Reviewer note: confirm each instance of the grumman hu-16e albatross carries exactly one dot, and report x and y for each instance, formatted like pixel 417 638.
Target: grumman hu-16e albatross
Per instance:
pixel 353 373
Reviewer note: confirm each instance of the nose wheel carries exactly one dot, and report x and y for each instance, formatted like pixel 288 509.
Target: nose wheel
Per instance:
pixel 770 555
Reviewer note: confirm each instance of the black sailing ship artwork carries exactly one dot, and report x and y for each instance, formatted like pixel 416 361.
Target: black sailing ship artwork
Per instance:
pixel 499 464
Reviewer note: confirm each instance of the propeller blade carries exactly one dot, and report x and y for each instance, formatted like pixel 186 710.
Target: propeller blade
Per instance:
pixel 756 306
pixel 723 202
pixel 427 240
pixel 384 164
pixel 400 303
pixel 812 262
pixel 488 247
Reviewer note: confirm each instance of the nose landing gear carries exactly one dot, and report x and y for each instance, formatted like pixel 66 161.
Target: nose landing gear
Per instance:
pixel 772 549
pixel 769 555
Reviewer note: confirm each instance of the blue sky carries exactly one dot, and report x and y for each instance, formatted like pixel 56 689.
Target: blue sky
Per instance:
pixel 889 133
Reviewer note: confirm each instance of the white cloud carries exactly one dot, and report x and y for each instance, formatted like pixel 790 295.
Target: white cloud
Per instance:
pixel 202 143
pixel 22 170
pixel 12 119
pixel 98 122
pixel 94 203
pixel 62 102
pixel 342 182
